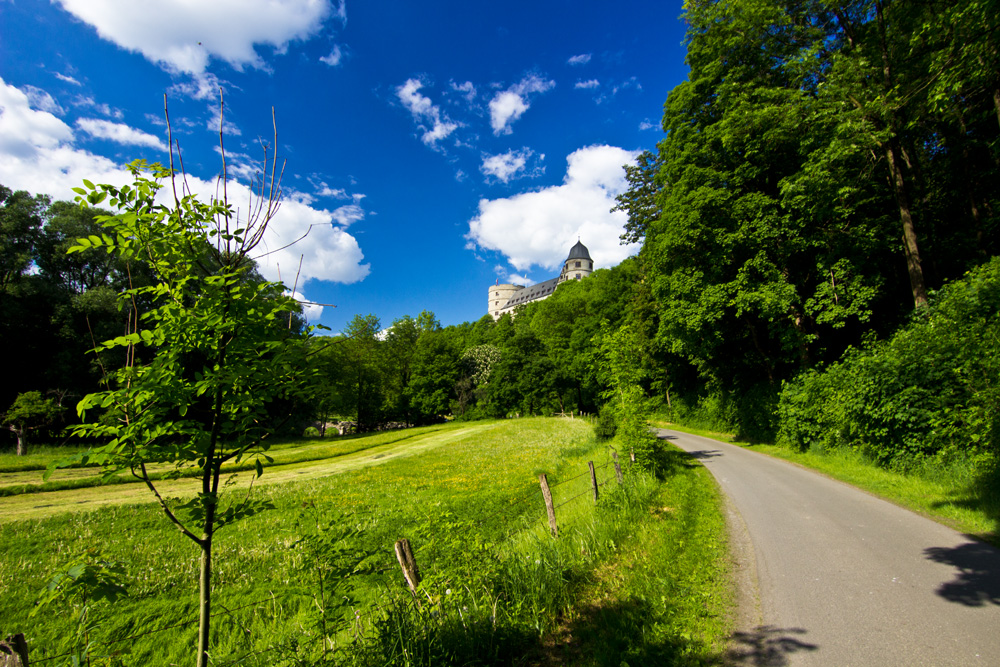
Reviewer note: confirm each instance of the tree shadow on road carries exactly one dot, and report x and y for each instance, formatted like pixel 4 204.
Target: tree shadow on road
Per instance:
pixel 978 580
pixel 766 646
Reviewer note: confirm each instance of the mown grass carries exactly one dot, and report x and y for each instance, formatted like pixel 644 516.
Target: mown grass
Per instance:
pixel 24 474
pixel 953 494
pixel 314 581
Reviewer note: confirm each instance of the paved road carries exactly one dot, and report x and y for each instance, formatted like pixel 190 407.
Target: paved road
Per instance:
pixel 845 579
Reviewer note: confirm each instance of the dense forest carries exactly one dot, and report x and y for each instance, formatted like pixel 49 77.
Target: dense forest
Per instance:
pixel 828 177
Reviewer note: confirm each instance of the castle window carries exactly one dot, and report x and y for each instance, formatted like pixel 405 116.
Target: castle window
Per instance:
pixel 578 265
pixel 578 276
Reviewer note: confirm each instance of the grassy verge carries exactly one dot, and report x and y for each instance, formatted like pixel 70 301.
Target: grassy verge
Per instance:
pixel 952 496
pixel 314 581
pixel 665 597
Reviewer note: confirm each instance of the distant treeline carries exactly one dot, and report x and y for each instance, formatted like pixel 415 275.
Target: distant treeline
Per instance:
pixel 825 170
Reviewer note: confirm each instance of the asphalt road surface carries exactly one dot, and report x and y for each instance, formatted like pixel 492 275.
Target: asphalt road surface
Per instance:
pixel 831 575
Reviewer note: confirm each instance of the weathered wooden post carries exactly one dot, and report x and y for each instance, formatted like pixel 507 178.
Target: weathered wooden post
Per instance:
pixel 618 468
pixel 549 507
pixel 593 478
pixel 14 651
pixel 631 456
pixel 409 564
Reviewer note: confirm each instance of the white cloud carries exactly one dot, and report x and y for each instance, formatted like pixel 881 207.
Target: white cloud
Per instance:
pixel 538 228
pixel 348 214
pixel 515 279
pixel 587 85
pixel 228 127
pixel 326 191
pixel 506 166
pixel 328 252
pixel 68 79
pixel 509 105
pixel 335 57
pixel 90 103
pixel 646 124
pixel 467 89
pixel 23 130
pixel 581 59
pixel 38 155
pixel 435 125
pixel 41 100
pixel 120 133
pixel 340 12
pixel 630 83
pixel 183 35
pixel 205 86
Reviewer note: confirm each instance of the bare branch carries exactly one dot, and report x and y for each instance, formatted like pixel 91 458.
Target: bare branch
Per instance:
pixel 163 505
pixel 170 146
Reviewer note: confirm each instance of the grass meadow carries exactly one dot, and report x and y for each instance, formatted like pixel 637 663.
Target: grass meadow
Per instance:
pixel 640 577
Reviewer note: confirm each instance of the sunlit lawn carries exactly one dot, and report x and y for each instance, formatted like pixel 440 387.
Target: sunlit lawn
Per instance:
pixel 469 501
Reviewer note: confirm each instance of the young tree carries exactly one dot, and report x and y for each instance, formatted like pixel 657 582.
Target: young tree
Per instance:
pixel 29 411
pixel 212 364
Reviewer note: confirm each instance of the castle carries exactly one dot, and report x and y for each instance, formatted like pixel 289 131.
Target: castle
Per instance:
pixel 505 298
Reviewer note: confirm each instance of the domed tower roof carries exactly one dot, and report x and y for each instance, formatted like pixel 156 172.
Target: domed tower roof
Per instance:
pixel 579 251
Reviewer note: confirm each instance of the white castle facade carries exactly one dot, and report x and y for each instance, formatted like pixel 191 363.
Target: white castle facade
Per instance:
pixel 505 298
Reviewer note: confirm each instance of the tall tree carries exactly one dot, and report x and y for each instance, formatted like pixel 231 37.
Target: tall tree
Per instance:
pixel 367 370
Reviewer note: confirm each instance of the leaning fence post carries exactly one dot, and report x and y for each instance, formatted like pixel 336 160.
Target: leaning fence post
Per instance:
pixel 409 564
pixel 593 478
pixel 631 456
pixel 618 468
pixel 14 651
pixel 547 495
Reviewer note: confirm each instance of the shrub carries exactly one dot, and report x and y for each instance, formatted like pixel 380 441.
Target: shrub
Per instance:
pixel 931 391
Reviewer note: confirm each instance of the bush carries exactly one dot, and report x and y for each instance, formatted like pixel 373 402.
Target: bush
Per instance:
pixel 931 391
pixel 606 426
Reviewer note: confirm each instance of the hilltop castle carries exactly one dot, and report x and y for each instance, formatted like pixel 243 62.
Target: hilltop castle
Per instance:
pixel 505 298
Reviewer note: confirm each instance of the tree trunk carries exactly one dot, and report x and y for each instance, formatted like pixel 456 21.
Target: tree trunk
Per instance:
pixel 996 102
pixel 22 439
pixel 910 248
pixel 204 598
pixel 894 154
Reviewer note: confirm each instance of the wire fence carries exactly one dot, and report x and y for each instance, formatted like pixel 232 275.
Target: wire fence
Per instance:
pixel 534 495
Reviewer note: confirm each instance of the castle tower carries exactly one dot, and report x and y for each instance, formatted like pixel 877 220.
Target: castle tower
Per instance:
pixel 498 297
pixel 578 265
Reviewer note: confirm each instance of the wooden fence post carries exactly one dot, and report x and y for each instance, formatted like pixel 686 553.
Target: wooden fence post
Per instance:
pixel 593 478
pixel 547 495
pixel 409 564
pixel 14 651
pixel 618 468
pixel 631 457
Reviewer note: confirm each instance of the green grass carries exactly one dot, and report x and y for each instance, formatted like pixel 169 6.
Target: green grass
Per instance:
pixel 497 590
pixel 24 474
pixel 955 495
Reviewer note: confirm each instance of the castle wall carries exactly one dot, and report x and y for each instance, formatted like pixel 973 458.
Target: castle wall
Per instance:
pixel 498 297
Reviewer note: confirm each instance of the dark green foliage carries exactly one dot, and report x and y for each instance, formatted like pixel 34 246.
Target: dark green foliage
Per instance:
pixel 30 411
pixel 930 391
pixel 606 426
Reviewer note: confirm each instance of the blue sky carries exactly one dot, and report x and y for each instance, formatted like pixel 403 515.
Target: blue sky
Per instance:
pixel 431 148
